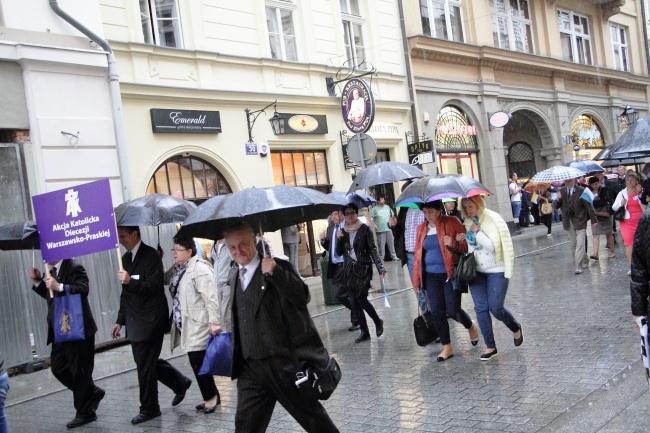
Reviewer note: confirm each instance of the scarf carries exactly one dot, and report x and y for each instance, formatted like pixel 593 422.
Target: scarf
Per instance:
pixel 352 228
pixel 177 275
pixel 470 236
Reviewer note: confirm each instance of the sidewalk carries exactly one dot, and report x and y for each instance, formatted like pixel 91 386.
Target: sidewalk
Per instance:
pixel 577 371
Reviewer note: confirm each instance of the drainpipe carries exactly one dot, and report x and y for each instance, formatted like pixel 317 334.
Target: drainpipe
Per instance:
pixel 407 61
pixel 644 17
pixel 116 97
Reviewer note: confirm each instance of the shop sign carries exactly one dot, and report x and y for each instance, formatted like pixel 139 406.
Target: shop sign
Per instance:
pixel 420 152
pixel 357 105
pixel 305 123
pixel 456 130
pixel 185 121
pixel 499 119
pixel 384 129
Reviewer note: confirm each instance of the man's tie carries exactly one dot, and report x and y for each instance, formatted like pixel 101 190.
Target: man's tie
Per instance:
pixel 242 277
pixel 53 272
pixel 570 191
pixel 128 260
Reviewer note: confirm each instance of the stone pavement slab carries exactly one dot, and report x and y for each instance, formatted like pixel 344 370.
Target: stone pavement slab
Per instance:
pixel 578 369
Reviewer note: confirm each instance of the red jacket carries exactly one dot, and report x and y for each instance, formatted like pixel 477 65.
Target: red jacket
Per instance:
pixel 446 226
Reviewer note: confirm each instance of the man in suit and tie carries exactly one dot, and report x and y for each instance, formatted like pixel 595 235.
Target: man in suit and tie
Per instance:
pixel 575 213
pixel 335 265
pixel 72 362
pixel 272 330
pixel 145 313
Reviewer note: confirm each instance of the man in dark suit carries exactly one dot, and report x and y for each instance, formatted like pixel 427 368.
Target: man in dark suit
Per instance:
pixel 272 330
pixel 335 265
pixel 575 213
pixel 72 362
pixel 144 312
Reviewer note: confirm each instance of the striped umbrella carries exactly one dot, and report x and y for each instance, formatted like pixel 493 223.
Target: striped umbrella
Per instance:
pixel 557 173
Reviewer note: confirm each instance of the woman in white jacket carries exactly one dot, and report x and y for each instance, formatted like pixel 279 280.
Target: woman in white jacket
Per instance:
pixel 195 313
pixel 629 197
pixel 489 239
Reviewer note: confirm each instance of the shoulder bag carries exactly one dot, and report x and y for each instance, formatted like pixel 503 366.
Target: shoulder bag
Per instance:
pixel 423 328
pixel 465 272
pixel 546 208
pixel 619 215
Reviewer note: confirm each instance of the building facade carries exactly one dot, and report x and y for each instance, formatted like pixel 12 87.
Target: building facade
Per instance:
pixel 563 70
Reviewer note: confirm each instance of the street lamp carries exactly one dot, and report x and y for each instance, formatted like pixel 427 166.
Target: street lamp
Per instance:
pixel 629 114
pixel 277 122
pixel 254 115
pixel 575 138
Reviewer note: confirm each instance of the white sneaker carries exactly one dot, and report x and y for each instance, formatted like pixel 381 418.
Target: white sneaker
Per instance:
pixel 549 235
pixel 578 271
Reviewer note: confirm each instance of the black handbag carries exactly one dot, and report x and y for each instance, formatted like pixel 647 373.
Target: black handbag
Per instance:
pixel 318 385
pixel 425 332
pixel 357 275
pixel 619 215
pixel 465 272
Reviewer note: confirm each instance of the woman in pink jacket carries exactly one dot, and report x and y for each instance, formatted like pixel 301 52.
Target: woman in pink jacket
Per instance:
pixel 436 253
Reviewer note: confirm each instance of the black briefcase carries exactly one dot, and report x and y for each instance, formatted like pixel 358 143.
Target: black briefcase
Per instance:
pixel 425 332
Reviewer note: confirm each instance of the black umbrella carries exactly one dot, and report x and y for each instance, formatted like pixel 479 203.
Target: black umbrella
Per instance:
pixel 153 210
pixel 384 172
pixel 359 199
pixel 616 162
pixel 19 236
pixel 265 209
pixel 634 143
pixel 586 166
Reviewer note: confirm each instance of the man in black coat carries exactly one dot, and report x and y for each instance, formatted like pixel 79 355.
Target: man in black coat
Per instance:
pixel 335 265
pixel 72 362
pixel 272 328
pixel 144 312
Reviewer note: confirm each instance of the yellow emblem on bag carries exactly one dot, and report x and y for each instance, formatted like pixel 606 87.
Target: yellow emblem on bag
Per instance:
pixel 65 322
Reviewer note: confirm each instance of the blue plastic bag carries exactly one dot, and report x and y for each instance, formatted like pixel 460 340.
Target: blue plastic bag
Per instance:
pixel 218 355
pixel 68 320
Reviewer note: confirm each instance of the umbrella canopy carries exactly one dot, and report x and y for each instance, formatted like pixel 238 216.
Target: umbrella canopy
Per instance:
pixel 439 187
pixel 268 209
pixel 557 173
pixel 19 236
pixel 384 172
pixel 153 210
pixel 359 199
pixel 634 143
pixel 616 162
pixel 534 186
pixel 585 166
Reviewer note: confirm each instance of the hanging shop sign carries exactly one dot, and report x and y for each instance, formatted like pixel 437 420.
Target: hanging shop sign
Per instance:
pixel 456 130
pixel 420 152
pixel 305 123
pixel 499 119
pixel 185 121
pixel 357 105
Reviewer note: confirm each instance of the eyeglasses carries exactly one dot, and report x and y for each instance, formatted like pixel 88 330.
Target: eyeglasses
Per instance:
pixel 349 213
pixel 178 250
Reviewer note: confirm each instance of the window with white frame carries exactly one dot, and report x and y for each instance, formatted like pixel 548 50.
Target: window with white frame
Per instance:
pixel 442 19
pixel 575 37
pixel 353 33
pixel 282 37
pixel 620 47
pixel 512 27
pixel 161 24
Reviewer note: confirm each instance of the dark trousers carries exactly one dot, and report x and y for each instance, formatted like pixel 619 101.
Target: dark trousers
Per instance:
pixel 263 382
pixel 206 381
pixel 360 304
pixel 72 365
pixel 151 370
pixel 443 301
pixel 341 291
pixel 546 220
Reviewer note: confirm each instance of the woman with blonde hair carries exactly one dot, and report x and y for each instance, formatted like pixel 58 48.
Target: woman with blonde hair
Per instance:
pixel 489 239
pixel 629 198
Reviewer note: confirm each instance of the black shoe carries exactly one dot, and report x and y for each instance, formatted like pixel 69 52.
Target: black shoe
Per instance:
pixel 519 340
pixel 444 358
pixel 353 328
pixel 142 417
pixel 379 328
pixel 488 356
pixel 97 397
pixel 81 420
pixel 200 407
pixel 209 410
pixel 365 336
pixel 178 398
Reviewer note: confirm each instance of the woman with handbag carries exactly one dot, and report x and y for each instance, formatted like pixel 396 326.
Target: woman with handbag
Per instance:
pixel 436 253
pixel 628 198
pixel 195 313
pixel 545 205
pixel 602 207
pixel 489 239
pixel 358 247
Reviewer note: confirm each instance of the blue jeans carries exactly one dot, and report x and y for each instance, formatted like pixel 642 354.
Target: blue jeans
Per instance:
pixel 489 294
pixel 291 251
pixel 516 208
pixel 4 387
pixel 410 258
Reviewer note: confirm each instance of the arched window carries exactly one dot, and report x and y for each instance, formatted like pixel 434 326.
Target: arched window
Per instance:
pixel 587 132
pixel 454 132
pixel 188 177
pixel 521 160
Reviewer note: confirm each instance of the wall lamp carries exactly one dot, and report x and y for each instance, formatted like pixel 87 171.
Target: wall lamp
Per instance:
pixel 629 114
pixel 277 121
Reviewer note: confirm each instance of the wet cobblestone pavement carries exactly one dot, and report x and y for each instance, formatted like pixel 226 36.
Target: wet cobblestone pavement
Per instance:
pixel 578 369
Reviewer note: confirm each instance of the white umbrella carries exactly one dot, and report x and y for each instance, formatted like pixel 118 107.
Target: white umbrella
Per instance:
pixel 643 329
pixel 557 173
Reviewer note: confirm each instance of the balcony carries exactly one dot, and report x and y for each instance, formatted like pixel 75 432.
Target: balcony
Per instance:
pixel 609 7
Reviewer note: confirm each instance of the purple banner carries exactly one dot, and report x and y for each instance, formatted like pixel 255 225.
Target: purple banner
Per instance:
pixel 75 221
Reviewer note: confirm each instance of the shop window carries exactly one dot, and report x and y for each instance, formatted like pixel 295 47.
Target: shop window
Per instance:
pixel 459 163
pixel 353 34
pixel 586 133
pixel 575 37
pixel 300 169
pixel 454 131
pixel 190 178
pixel 521 160
pixel 15 197
pixel 161 24
pixel 282 37
pixel 512 25
pixel 620 47
pixel 442 19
